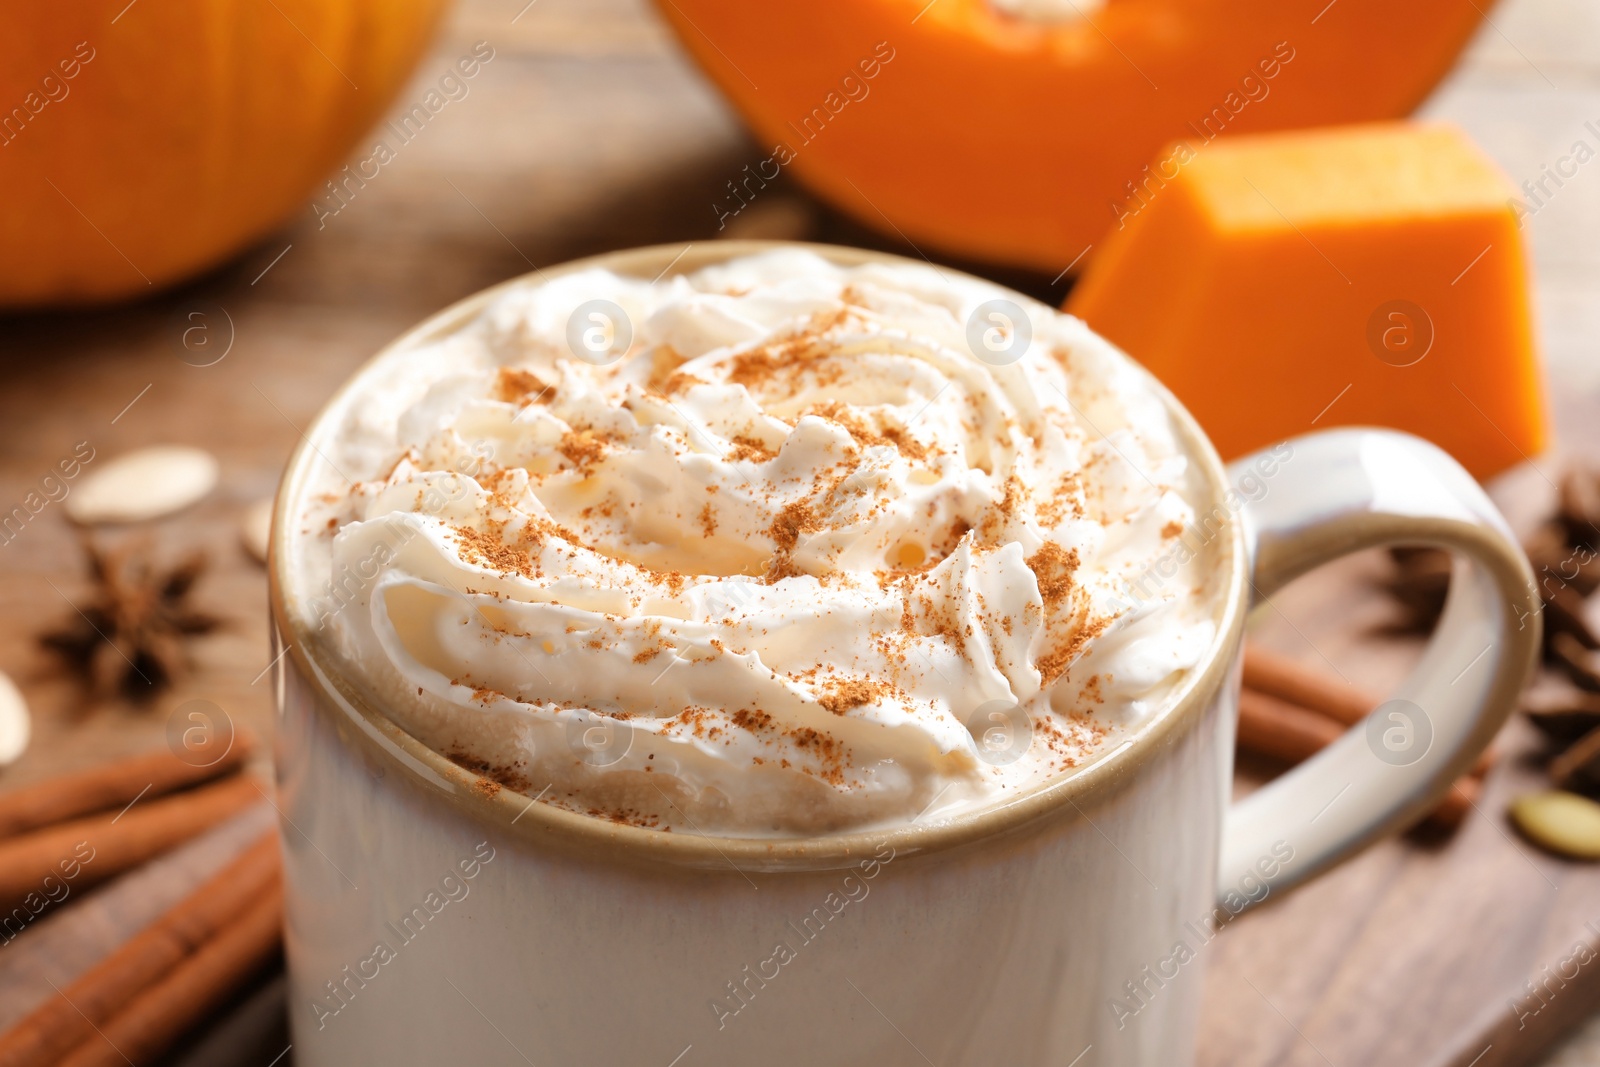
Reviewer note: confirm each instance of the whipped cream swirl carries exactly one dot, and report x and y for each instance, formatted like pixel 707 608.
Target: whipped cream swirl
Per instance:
pixel 792 559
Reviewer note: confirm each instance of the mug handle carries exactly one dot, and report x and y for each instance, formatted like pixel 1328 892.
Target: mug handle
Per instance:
pixel 1337 492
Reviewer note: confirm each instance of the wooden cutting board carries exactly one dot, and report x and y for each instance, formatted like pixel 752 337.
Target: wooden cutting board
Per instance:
pixel 587 132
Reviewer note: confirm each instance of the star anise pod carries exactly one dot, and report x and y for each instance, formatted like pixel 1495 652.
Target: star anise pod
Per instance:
pixel 1579 508
pixel 1419 583
pixel 129 638
pixel 1560 560
pixel 1562 712
pixel 1564 552
pixel 1564 572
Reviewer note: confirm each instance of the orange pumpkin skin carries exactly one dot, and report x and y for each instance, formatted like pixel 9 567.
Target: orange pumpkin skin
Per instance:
pixel 1008 141
pixel 186 130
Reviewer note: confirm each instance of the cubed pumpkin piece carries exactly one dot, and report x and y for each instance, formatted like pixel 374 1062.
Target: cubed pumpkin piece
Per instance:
pixel 1364 275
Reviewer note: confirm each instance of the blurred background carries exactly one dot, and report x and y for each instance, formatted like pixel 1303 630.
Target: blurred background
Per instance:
pixel 586 126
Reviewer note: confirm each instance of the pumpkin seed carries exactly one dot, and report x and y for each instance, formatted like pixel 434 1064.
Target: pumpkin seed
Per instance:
pixel 255 528
pixel 144 484
pixel 1564 823
pixel 15 726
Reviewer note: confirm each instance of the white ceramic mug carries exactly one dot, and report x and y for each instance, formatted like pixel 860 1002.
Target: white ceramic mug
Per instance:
pixel 434 917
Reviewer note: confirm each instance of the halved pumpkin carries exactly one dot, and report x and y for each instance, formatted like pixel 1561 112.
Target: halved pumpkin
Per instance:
pixel 143 142
pixel 1021 140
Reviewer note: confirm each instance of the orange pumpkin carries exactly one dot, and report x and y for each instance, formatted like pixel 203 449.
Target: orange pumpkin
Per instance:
pixel 1367 275
pixel 1005 139
pixel 143 142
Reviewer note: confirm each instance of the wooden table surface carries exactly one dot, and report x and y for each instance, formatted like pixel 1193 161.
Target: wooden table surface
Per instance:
pixel 589 131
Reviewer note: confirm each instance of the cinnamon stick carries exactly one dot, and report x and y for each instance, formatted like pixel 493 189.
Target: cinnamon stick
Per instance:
pixel 110 785
pixel 150 1023
pixel 87 851
pixel 1455 805
pixel 1291 681
pixel 1288 679
pixel 63 1022
pixel 1269 726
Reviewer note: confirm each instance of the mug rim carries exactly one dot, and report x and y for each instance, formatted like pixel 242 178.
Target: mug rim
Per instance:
pixel 520 815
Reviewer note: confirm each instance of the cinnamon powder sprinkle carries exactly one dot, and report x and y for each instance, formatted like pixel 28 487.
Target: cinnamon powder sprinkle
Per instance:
pixel 1064 501
pixel 747 449
pixel 866 436
pixel 1054 663
pixel 792 521
pixel 512 385
pixel 490 550
pixel 996 517
pixel 1053 567
pixel 850 693
pixel 581 448
pixel 678 381
pixel 792 355
pixel 754 721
